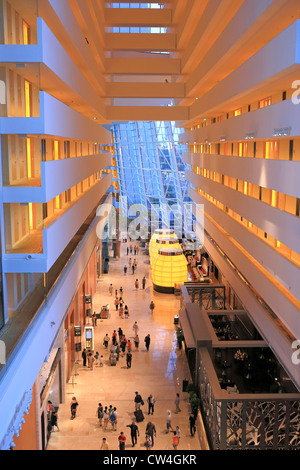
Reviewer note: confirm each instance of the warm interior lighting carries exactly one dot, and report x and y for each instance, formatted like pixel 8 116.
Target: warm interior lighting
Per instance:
pixel 30 211
pixel 240 149
pixel 161 233
pixel 245 188
pixel 169 269
pixel 25 33
pixel 29 168
pixel 274 194
pixel 162 243
pixel 267 154
pixel 56 156
pixel 27 99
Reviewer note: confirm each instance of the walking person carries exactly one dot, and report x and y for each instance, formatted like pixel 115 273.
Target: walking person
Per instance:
pixel 148 441
pixel 151 306
pixel 175 440
pixel 169 421
pixel 123 344
pixel 114 338
pixel 147 342
pixel 128 359
pixel 106 339
pixel 54 419
pixel 134 432
pixel 178 432
pixel 151 402
pixel 116 303
pixel 177 402
pixel 96 358
pixel 110 289
pixel 121 293
pixel 117 351
pixel 132 268
pixel 135 328
pixel 136 341
pixel 84 357
pixel 192 421
pixel 127 251
pixel 101 361
pixel 104 445
pixel 130 262
pixel 74 404
pixel 125 270
pixel 138 401
pixel 100 414
pixel 126 312
pixel 50 409
pixel 113 419
pixel 105 418
pixel 121 311
pixel 120 333
pixel 150 429
pixel 144 282
pixel 136 284
pixel 91 361
pixel 122 440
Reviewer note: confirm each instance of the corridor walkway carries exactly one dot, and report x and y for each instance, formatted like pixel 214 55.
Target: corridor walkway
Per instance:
pixel 159 371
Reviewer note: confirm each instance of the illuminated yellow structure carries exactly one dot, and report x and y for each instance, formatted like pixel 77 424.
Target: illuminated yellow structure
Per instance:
pixel 162 242
pixel 169 269
pixel 161 233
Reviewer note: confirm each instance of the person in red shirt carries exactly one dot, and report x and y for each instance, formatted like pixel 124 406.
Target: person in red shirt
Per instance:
pixel 122 440
pixel 175 440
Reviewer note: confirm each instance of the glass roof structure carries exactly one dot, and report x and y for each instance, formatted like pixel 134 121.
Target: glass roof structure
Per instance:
pixel 151 169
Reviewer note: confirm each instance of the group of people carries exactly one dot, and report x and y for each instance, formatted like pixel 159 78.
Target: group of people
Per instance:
pixel 106 415
pixel 121 345
pixel 150 433
pixel 131 265
pixel 135 249
pixel 89 358
pixel 137 284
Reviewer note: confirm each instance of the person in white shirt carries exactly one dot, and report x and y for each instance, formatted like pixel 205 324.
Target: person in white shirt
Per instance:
pixel 135 328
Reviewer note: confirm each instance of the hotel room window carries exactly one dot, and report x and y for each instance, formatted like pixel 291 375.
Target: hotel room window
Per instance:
pixel 265 102
pixel 26 33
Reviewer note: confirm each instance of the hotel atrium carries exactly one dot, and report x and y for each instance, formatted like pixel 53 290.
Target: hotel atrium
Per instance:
pixel 150 151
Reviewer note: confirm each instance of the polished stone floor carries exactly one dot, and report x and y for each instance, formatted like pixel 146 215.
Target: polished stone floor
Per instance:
pixel 159 371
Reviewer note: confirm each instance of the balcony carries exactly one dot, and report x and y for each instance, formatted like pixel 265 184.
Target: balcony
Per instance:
pixel 57 176
pixel 38 251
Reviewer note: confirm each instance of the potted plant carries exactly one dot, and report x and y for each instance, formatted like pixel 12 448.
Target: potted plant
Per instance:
pixel 195 403
pixel 180 337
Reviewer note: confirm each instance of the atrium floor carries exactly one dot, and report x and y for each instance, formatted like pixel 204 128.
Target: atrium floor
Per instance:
pixel 159 372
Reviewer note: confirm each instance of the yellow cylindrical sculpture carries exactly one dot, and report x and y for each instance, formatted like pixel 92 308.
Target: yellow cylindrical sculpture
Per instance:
pixel 169 268
pixel 161 233
pixel 162 243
